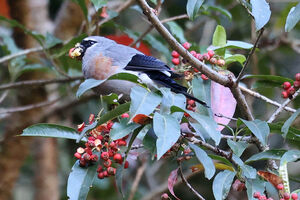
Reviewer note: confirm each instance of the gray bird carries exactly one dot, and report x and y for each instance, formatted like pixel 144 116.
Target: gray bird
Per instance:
pixel 102 57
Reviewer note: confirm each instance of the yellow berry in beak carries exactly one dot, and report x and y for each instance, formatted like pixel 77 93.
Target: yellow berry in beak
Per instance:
pixel 75 52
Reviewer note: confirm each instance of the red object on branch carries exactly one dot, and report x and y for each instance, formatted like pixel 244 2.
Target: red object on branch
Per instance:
pixel 126 40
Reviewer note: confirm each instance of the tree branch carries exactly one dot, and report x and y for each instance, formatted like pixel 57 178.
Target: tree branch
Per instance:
pixel 137 179
pixel 187 183
pixel 36 83
pixel 20 53
pixel 249 56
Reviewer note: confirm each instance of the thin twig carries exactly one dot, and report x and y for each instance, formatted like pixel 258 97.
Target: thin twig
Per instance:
pixel 20 53
pixel 266 99
pixel 36 83
pixel 250 55
pixel 187 183
pixel 137 179
pixel 3 96
pixel 278 111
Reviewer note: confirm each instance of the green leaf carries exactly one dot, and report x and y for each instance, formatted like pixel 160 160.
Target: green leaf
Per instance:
pixel 99 4
pixel 261 13
pixel 277 79
pixel 290 156
pixel 88 84
pixel 123 108
pixel 222 184
pixel 143 101
pixel 220 158
pixel 288 123
pixel 293 133
pixel 247 171
pixel 206 161
pixel 274 154
pixel 122 129
pixel 221 10
pixel 237 147
pixel 51 130
pixel 292 18
pixel 177 31
pixel 192 8
pixel 232 44
pixel 255 185
pixel 51 40
pixel 201 90
pixel 167 130
pixel 219 39
pixel 169 99
pixel 80 180
pixel 208 126
pixel 157 45
pixel 149 143
pixel 259 128
pixel 235 58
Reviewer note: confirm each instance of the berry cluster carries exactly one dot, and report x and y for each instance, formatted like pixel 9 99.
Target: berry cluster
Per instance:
pixel 289 90
pixel 209 57
pixel 99 141
pixel 285 196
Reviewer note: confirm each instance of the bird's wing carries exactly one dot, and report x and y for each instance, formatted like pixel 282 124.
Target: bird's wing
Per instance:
pixel 141 62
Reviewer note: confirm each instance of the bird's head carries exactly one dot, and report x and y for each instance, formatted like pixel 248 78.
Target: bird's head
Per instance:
pixel 87 43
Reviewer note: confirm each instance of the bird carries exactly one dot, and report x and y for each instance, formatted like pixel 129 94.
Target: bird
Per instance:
pixel 102 57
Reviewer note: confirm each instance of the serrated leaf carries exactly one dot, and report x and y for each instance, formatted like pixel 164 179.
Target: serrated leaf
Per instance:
pixel 222 103
pixel 222 184
pixel 51 40
pixel 192 8
pixel 122 129
pixel 292 18
pixel 51 130
pixel 261 13
pixel 290 156
pixel 80 180
pixel 254 185
pixel 288 123
pixel 167 130
pixel 143 101
pixel 259 128
pixel 237 147
pixel 177 31
pixel 274 154
pixel 99 4
pixel 172 179
pixel 208 126
pixel 205 160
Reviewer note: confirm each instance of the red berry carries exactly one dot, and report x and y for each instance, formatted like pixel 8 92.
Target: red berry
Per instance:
pixel 187 151
pixel 91 143
pixel 122 143
pixel 112 145
pixel 284 94
pixel 296 84
pixel 191 102
pixel 211 53
pixel 186 45
pixel 213 61
pixel 270 198
pixel 125 115
pixel 194 53
pixel 111 153
pixel 195 70
pixel 256 195
pixel 109 125
pixel 164 196
pixel 172 69
pixel 77 155
pixel 286 196
pixel 186 115
pixel 107 163
pixel 176 61
pixel 99 169
pixel 297 77
pixel 80 127
pixel 295 195
pixel 281 199
pixel 286 85
pixel 126 165
pixel 200 57
pixel 206 57
pixel 101 175
pixel 105 173
pixel 82 162
pixel 94 158
pixel 117 157
pixel 86 156
pixel 100 137
pixel 91 138
pixel 280 186
pixel 221 62
pixel 204 77
pixel 91 118
pixel 104 155
pixel 111 171
pixel 175 54
pixel 263 197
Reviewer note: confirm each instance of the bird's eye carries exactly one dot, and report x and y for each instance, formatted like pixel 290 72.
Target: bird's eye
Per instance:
pixel 91 42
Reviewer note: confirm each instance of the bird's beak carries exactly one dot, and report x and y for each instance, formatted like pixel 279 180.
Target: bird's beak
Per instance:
pixel 76 52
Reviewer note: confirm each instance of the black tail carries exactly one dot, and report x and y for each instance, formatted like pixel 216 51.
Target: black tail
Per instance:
pixel 175 87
